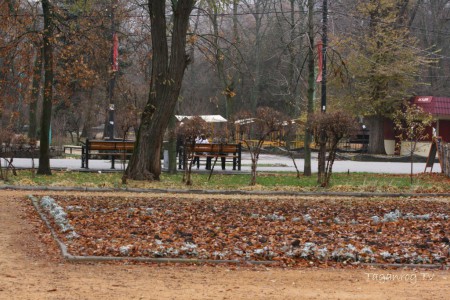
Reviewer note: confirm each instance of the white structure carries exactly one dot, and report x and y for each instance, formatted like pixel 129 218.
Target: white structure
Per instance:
pixel 206 118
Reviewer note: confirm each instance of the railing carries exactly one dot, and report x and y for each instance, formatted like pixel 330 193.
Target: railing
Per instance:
pixel 253 143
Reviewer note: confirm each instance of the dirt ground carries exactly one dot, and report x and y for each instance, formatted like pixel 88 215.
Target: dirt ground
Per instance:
pixel 31 268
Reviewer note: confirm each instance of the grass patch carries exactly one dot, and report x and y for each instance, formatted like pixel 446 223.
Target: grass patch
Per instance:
pixel 354 182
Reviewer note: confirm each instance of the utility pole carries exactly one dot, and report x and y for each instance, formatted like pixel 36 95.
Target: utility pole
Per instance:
pixel 311 88
pixel 323 105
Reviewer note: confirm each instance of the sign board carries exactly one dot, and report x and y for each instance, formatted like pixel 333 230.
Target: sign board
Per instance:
pixel 424 99
pixel 436 147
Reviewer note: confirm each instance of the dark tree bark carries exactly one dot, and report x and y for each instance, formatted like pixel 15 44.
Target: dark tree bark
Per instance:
pixel 167 75
pixel 376 135
pixel 44 148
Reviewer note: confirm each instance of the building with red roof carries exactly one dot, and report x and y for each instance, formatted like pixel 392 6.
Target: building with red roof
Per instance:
pixel 439 108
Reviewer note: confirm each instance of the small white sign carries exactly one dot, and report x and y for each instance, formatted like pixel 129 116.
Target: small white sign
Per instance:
pixel 424 99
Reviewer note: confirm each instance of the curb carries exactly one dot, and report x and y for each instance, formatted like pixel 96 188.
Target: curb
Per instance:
pixel 222 192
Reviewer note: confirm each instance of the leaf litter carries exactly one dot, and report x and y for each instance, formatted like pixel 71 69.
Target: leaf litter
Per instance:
pixel 288 230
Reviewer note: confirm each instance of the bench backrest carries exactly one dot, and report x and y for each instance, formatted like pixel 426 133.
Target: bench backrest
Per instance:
pixel 216 148
pixel 110 145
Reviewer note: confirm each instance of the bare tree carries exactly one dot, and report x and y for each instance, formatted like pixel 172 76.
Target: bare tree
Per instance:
pixel 329 129
pixel 265 122
pixel 188 131
pixel 411 123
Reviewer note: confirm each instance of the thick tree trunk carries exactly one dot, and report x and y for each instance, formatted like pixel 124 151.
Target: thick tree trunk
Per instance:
pixel 44 148
pixel 167 75
pixel 145 163
pixel 376 135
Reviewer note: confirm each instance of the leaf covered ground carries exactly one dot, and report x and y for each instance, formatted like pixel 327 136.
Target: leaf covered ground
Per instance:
pixel 288 230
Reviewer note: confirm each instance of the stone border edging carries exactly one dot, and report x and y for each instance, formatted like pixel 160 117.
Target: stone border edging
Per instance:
pixel 220 192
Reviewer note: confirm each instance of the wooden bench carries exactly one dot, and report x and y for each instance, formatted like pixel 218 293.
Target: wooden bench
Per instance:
pixel 111 148
pixel 359 140
pixel 212 151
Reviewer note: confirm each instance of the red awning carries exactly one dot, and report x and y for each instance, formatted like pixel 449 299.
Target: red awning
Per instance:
pixel 437 106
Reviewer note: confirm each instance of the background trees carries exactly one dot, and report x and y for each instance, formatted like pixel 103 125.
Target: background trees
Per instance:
pixel 429 23
pixel 241 55
pixel 384 60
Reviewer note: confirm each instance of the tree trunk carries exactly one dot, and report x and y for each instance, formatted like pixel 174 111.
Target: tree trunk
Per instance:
pixel 376 135
pixel 145 163
pixel 167 75
pixel 322 157
pixel 44 148
pixel 253 171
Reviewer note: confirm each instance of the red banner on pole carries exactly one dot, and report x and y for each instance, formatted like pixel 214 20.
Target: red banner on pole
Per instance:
pixel 319 61
pixel 115 58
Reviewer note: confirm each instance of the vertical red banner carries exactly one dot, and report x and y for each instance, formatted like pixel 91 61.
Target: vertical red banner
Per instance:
pixel 319 61
pixel 115 54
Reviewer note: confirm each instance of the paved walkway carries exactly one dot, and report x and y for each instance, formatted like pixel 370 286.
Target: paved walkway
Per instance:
pixel 267 162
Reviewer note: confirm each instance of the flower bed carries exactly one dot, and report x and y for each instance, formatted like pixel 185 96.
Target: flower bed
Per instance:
pixel 288 230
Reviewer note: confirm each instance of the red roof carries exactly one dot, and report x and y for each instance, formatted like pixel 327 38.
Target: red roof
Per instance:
pixel 437 106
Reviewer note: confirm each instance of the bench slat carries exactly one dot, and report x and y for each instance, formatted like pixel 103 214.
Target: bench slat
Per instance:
pixel 225 148
pixel 209 151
